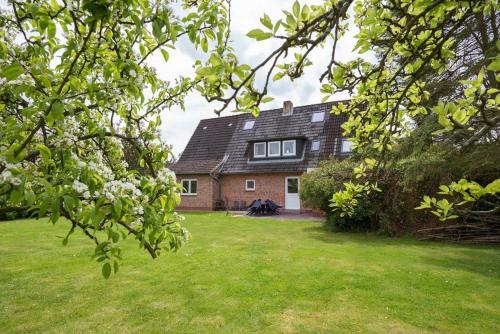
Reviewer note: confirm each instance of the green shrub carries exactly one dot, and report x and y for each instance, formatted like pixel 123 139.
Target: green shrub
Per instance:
pixel 318 187
pixel 405 180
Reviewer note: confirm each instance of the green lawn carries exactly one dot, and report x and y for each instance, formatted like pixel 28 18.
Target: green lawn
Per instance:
pixel 243 275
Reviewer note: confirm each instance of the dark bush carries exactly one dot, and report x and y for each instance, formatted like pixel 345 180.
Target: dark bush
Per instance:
pixel 318 187
pixel 14 213
pixel 405 180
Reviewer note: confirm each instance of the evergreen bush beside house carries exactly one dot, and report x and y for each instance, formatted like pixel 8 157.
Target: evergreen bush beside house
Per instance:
pixel 409 177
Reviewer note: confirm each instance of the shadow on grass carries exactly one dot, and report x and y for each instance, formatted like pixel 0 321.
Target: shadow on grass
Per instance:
pixel 322 233
pixel 478 259
pixel 485 262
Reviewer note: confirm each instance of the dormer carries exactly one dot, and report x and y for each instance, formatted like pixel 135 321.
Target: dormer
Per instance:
pixel 276 149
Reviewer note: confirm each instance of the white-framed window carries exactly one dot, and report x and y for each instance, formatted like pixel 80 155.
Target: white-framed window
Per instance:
pixel 315 145
pixel 249 125
pixel 274 149
pixel 289 147
pixel 259 150
pixel 250 185
pixel 346 146
pixel 318 117
pixel 189 186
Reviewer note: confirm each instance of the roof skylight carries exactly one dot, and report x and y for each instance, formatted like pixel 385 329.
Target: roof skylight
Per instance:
pixel 249 125
pixel 318 117
pixel 315 145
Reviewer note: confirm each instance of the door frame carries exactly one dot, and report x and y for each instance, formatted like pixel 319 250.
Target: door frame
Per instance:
pixel 298 189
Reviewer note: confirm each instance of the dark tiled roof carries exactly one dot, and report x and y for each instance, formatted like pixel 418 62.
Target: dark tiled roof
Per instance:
pixel 213 139
pixel 184 166
pixel 207 145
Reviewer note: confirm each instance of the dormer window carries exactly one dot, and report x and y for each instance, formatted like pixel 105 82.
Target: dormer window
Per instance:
pixel 289 147
pixel 259 150
pixel 315 145
pixel 346 146
pixel 318 117
pixel 249 125
pixel 274 149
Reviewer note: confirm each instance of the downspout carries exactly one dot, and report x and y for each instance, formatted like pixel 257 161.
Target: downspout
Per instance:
pixel 215 175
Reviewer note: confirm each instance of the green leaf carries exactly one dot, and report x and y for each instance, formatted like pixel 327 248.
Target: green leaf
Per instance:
pixel 278 76
pixel 157 33
pixel 51 30
pixel 266 21
pixel 494 65
pixel 115 266
pixel 444 189
pixel 29 196
pixel 259 35
pixel 16 196
pixel 296 9
pixel 106 270
pixel 98 10
pixel 165 54
pixel 276 26
pixel 55 207
pixel 305 12
pixel 69 202
pixel 44 151
pixel 56 113
pixel 460 116
pixel 204 44
pixel 12 72
pixel 117 208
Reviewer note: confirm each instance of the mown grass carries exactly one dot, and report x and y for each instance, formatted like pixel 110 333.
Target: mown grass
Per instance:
pixel 243 275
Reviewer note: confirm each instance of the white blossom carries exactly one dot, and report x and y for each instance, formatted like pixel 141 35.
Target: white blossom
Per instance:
pixel 15 181
pixel 164 174
pixel 80 187
pixel 7 176
pixel 178 217
pixel 139 210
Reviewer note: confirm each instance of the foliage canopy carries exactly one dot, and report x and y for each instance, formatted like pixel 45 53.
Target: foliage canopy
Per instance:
pixel 411 42
pixel 74 85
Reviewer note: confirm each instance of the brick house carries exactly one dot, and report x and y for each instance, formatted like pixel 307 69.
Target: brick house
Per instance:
pixel 230 161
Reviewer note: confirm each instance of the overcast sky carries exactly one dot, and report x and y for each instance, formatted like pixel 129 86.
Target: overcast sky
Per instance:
pixel 178 125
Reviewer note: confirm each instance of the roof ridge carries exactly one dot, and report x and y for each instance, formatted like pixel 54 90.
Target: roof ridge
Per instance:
pixel 243 113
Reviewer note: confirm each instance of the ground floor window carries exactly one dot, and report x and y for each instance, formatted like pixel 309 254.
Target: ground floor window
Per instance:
pixel 250 185
pixel 189 186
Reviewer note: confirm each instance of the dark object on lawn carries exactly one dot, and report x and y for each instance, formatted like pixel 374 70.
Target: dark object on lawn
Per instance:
pixel 266 207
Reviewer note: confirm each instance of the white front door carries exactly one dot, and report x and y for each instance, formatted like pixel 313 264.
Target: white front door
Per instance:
pixel 292 200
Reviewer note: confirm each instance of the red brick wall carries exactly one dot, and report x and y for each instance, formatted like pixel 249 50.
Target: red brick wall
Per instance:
pixel 205 193
pixel 267 186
